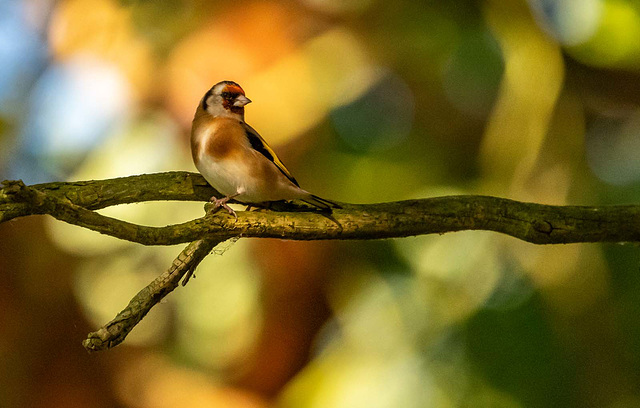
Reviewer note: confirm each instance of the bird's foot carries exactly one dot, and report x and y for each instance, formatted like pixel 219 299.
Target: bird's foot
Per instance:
pixel 222 203
pixel 259 206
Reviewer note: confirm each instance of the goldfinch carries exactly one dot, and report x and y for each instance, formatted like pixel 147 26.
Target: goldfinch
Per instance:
pixel 235 159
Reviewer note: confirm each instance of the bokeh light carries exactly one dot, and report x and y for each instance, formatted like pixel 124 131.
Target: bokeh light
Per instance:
pixel 74 106
pixel 571 22
pixel 219 329
pixel 613 146
pixel 614 44
pixel 23 54
pixel 472 74
pixel 378 120
pixel 103 29
pixel 340 7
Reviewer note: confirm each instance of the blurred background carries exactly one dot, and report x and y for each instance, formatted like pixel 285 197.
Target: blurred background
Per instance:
pixel 365 101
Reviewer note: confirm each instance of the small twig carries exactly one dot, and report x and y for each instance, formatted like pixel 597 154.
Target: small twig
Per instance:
pixel 114 332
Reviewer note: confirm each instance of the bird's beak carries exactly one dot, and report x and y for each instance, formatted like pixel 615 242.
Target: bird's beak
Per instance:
pixel 240 101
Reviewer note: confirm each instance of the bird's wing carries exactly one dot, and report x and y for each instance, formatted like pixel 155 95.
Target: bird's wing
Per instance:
pixel 261 146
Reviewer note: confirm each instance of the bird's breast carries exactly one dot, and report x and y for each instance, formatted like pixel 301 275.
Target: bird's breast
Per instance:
pixel 217 139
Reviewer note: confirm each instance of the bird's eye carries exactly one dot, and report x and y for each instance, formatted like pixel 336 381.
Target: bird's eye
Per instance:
pixel 226 95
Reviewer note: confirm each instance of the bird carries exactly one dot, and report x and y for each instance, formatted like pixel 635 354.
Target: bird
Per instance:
pixel 236 160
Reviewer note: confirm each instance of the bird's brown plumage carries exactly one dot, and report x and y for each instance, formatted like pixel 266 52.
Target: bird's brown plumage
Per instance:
pixel 234 158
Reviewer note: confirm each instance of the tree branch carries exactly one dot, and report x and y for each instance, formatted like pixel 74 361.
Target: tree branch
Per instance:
pixel 76 202
pixel 535 223
pixel 96 194
pixel 114 332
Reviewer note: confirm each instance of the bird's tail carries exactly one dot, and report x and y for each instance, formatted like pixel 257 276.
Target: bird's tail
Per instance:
pixel 320 203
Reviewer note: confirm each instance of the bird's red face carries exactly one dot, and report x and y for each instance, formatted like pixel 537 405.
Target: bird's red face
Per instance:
pixel 233 88
pixel 226 98
pixel 233 98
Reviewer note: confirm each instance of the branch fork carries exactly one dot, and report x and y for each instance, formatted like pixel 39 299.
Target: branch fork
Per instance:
pixel 76 202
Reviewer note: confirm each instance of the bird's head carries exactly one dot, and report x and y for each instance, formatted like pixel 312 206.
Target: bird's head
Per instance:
pixel 225 98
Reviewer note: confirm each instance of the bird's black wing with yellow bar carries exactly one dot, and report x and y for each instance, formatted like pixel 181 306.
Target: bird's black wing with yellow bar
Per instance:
pixel 261 146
